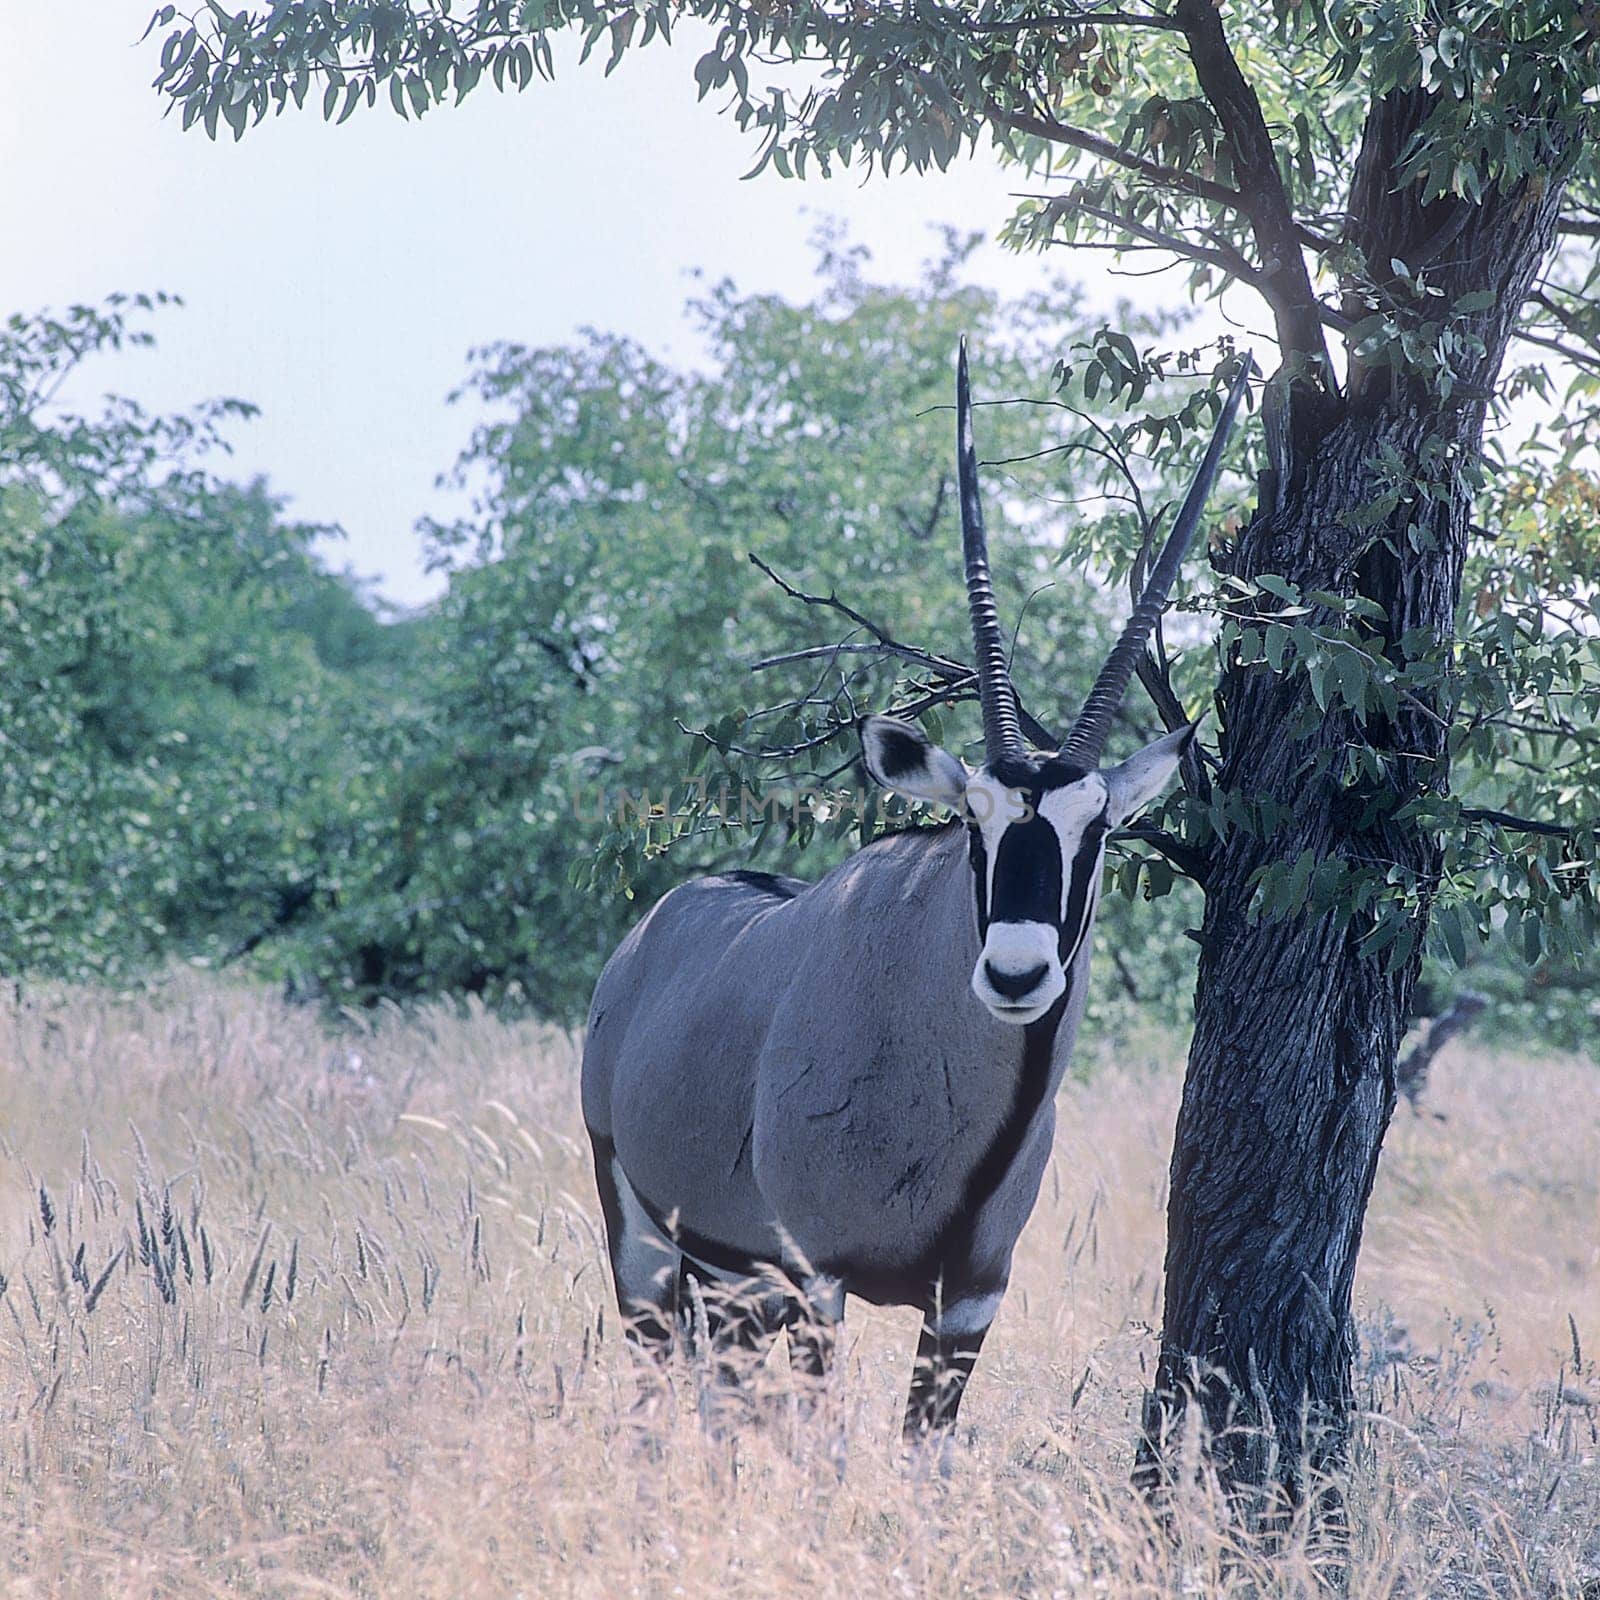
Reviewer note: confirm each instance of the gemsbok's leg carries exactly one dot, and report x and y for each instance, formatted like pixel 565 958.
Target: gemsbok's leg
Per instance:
pixel 952 1335
pixel 730 1323
pixel 644 1262
pixel 814 1321
pixel 815 1318
pixel 728 1320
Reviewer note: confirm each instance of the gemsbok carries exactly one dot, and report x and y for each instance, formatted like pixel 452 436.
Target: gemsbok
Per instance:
pixel 797 1091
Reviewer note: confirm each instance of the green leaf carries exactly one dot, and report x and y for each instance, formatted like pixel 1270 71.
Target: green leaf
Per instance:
pixel 1447 919
pixel 1317 677
pixel 1276 645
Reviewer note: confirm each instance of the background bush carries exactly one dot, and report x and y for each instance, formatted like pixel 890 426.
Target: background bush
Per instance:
pixel 216 747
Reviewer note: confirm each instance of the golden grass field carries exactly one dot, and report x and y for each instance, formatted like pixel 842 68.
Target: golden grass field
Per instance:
pixel 294 1312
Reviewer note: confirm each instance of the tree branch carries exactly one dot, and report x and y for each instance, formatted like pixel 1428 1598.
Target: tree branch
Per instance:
pixel 1504 819
pixel 1124 972
pixel 1568 323
pixel 1297 311
pixel 922 530
pixel 1223 258
pixel 1066 19
pixel 1588 360
pixel 292 900
pixel 1043 127
pixel 1411 1075
pixel 952 674
pixel 566 660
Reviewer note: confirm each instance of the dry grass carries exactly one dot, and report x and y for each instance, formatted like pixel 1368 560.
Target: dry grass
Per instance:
pixel 355 1338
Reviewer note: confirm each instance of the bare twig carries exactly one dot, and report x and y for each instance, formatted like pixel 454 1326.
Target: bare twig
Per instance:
pixel 950 671
pixel 922 530
pixel 952 674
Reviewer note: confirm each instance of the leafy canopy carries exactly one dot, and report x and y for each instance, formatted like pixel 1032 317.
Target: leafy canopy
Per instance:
pixel 1335 158
pixel 1230 143
pixel 593 720
pixel 176 673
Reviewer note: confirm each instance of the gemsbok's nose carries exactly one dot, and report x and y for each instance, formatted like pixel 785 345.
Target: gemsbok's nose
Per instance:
pixel 1014 985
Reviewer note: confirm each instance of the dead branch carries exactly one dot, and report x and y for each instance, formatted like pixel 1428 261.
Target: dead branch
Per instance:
pixel 1411 1075
pixel 959 680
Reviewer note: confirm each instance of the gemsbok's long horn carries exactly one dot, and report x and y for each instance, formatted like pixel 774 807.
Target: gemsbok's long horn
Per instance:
pixel 1002 733
pixel 1088 737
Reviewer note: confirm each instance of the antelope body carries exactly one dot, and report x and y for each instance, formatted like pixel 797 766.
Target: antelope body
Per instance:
pixel 797 1091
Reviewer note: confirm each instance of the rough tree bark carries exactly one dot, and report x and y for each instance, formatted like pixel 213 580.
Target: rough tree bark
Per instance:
pixel 1291 1079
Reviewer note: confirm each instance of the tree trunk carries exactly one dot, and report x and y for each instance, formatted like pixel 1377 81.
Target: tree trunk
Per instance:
pixel 1291 1080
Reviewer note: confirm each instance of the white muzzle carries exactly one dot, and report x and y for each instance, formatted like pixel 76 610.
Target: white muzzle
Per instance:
pixel 1018 975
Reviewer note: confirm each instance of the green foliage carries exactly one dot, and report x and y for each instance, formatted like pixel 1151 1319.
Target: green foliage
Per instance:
pixel 1108 99
pixel 1516 894
pixel 1397 174
pixel 212 742
pixel 592 731
pixel 215 747
pixel 1351 162
pixel 175 672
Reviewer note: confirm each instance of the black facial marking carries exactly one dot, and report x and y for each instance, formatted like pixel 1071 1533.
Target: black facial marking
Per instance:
pixel 1058 772
pixel 1085 871
pixel 1027 870
pixel 1015 772
pixel 978 857
pixel 1027 876
pixel 1041 773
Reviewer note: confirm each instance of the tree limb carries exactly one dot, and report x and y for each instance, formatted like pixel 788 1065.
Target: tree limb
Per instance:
pixel 293 898
pixel 922 530
pixel 1043 127
pixel 1568 323
pixel 1223 258
pixel 1297 311
pixel 1411 1075
pixel 1124 972
pixel 1504 819
pixel 1588 360
pixel 1067 19
pixel 566 660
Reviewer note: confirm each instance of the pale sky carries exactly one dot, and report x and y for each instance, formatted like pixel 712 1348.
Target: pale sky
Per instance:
pixel 338 276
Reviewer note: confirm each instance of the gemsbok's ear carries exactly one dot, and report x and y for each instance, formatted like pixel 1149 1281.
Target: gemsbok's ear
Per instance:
pixel 900 756
pixel 1139 779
